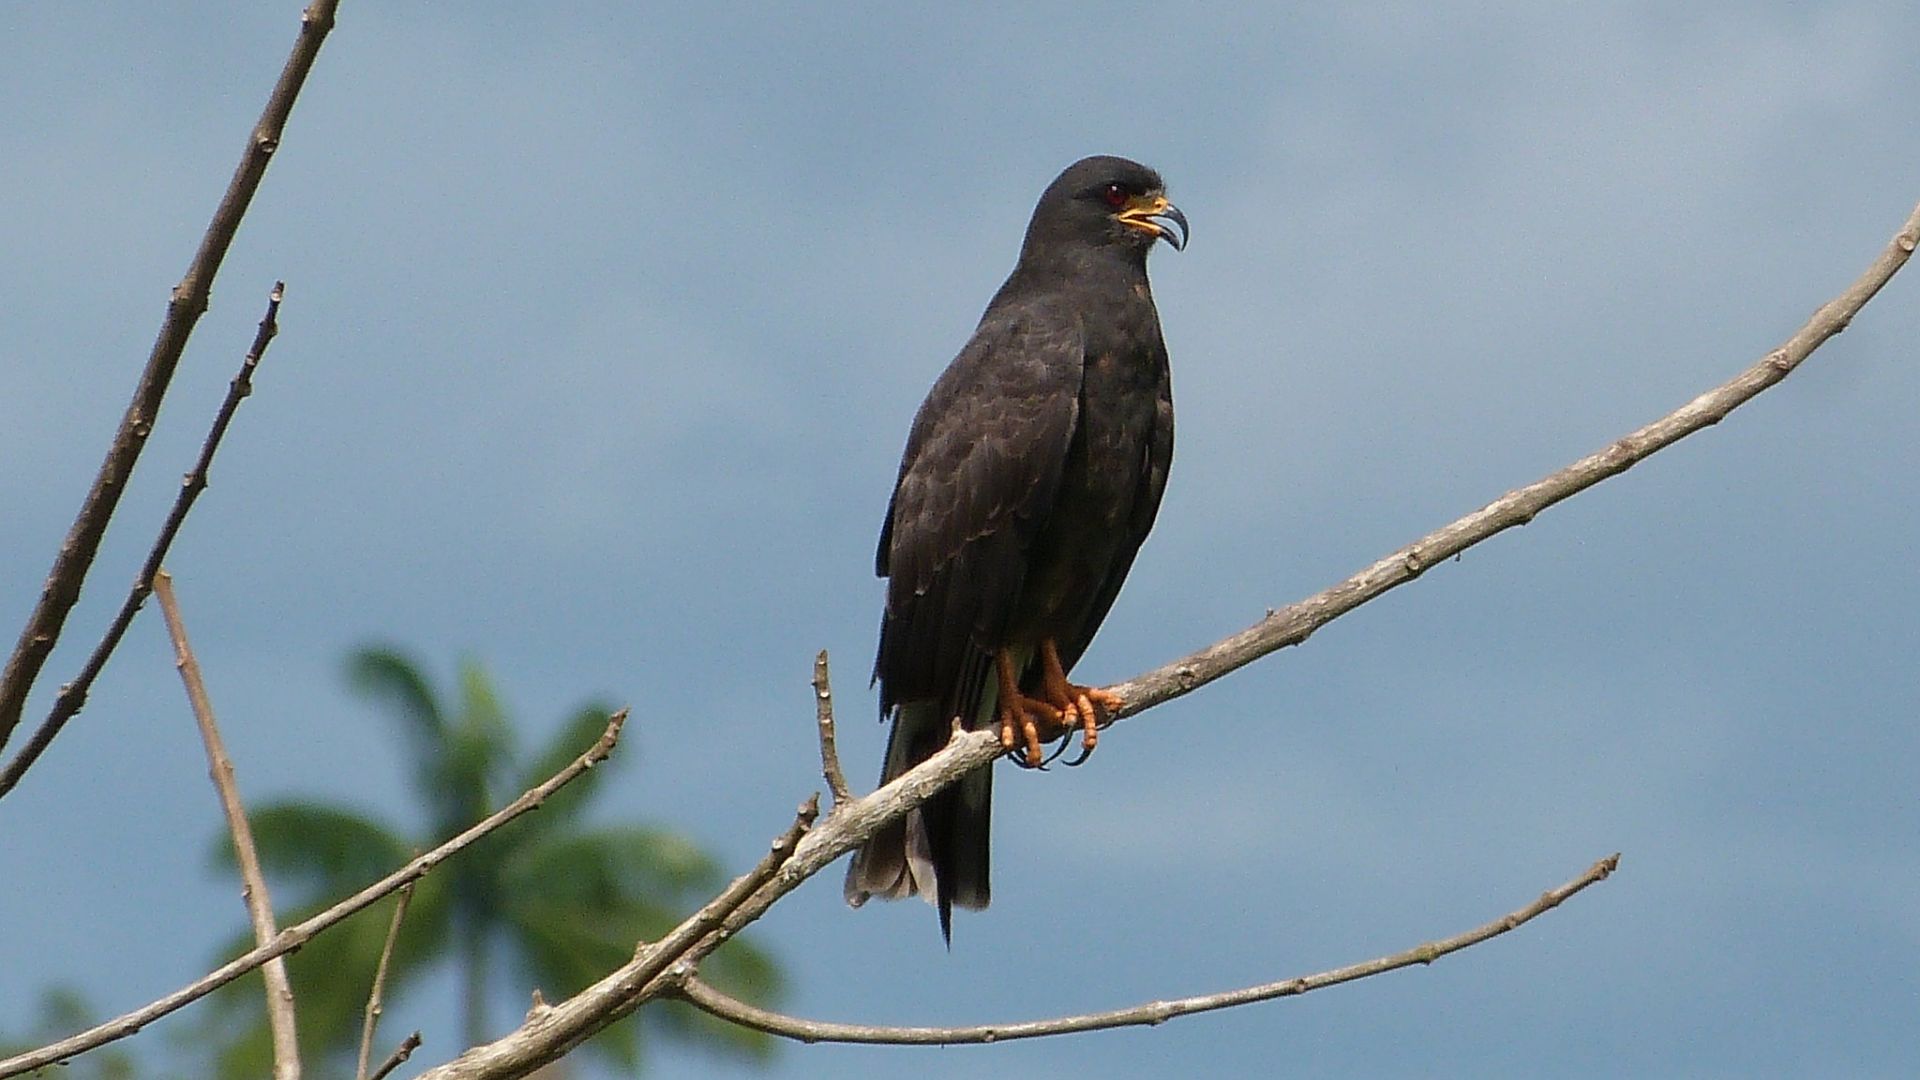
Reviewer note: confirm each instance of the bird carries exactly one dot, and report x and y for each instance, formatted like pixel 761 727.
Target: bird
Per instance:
pixel 1032 474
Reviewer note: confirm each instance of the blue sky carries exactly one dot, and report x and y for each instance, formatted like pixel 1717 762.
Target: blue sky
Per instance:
pixel 603 330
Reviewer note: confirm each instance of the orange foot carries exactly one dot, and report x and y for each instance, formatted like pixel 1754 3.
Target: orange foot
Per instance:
pixel 1063 707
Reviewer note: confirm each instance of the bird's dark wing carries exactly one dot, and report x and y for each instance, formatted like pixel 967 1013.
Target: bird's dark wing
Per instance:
pixel 1156 459
pixel 978 480
pixel 979 477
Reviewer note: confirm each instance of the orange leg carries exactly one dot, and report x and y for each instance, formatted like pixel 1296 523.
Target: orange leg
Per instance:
pixel 1085 703
pixel 1020 715
pixel 1027 722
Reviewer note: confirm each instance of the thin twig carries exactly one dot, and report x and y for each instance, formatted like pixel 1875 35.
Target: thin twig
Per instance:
pixel 184 307
pixel 398 1058
pixel 823 713
pixel 551 1032
pixel 1291 625
pixel 253 887
pixel 729 1008
pixel 74 695
pixel 299 934
pixel 380 985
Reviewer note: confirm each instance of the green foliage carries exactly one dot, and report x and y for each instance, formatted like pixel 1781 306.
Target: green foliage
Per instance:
pixel 562 901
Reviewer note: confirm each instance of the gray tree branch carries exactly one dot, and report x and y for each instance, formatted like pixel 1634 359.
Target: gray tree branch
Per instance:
pixel 731 1009
pixel 823 716
pixel 398 1058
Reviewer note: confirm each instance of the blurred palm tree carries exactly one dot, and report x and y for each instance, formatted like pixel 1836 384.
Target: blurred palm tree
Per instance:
pixel 559 900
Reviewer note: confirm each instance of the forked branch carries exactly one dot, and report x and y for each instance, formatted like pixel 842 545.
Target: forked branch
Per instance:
pixel 184 308
pixel 73 695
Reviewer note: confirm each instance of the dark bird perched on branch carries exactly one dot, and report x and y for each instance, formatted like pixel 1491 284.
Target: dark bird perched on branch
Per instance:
pixel 1032 474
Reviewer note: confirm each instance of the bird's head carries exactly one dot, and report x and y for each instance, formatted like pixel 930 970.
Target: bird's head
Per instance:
pixel 1107 202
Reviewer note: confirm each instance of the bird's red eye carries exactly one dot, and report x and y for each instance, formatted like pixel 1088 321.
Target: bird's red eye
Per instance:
pixel 1115 195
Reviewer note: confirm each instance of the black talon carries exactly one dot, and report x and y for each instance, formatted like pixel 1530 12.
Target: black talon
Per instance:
pixel 1058 749
pixel 1085 753
pixel 1019 755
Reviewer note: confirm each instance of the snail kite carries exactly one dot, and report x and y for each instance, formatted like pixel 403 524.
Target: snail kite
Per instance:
pixel 1032 473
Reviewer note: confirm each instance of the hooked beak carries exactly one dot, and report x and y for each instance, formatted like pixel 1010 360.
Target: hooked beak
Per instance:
pixel 1154 214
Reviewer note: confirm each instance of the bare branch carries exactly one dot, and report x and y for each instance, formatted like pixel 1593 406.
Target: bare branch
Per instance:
pixel 1291 625
pixel 739 1012
pixel 74 695
pixel 379 988
pixel 823 713
pixel 184 307
pixel 398 1058
pixel 299 934
pixel 253 887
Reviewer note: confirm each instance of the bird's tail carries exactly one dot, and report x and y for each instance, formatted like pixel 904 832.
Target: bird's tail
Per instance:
pixel 939 850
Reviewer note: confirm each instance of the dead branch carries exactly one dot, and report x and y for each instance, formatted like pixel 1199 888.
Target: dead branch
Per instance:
pixel 823 715
pixel 184 307
pixel 731 1009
